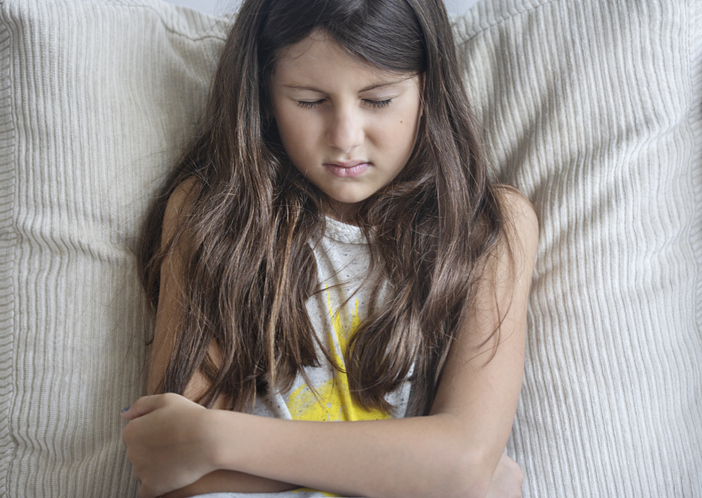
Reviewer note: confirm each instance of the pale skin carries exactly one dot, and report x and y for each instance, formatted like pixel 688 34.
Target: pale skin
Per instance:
pixel 178 448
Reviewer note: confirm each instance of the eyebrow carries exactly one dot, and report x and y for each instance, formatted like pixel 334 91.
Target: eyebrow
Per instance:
pixel 366 89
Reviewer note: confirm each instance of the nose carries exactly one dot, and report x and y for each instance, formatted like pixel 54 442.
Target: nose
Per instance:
pixel 345 131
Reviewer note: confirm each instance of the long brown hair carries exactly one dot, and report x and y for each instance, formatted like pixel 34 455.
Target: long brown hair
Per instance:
pixel 246 235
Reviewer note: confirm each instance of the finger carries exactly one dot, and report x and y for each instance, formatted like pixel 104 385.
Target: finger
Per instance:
pixel 142 406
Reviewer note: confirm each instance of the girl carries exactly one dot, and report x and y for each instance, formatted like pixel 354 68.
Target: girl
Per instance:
pixel 331 248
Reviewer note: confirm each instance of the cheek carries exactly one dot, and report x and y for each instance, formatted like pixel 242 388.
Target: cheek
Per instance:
pixel 299 121
pixel 283 123
pixel 295 138
pixel 402 133
pixel 403 141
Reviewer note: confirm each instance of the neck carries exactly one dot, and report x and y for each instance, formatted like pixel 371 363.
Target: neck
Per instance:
pixel 339 211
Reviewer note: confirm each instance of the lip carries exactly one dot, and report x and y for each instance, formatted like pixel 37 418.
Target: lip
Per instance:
pixel 346 164
pixel 347 169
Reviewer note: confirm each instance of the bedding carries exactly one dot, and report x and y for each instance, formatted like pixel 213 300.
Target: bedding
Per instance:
pixel 592 109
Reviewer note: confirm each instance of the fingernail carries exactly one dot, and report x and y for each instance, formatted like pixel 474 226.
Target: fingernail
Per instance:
pixel 126 409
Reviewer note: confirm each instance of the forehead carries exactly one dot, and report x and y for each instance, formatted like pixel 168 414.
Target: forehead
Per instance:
pixel 319 56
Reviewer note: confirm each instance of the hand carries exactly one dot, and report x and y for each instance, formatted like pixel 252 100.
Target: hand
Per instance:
pixel 507 479
pixel 167 443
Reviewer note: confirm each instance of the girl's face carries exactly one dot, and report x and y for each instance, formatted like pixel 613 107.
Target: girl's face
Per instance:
pixel 348 127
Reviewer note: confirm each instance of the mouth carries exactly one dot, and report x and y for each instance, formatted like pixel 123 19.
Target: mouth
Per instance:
pixel 347 169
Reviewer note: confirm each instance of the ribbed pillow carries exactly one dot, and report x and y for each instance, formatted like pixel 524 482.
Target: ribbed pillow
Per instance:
pixel 594 110
pixel 96 98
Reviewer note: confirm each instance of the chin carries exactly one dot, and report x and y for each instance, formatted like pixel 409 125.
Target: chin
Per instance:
pixel 346 197
pixel 345 203
pixel 349 201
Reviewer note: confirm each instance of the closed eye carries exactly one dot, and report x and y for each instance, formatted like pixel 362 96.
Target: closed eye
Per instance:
pixel 309 104
pixel 378 103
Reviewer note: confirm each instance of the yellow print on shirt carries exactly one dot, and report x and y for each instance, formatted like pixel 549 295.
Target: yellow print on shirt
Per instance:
pixel 333 401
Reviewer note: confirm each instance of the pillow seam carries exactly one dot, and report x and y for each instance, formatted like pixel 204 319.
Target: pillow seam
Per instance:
pixel 460 21
pixel 170 29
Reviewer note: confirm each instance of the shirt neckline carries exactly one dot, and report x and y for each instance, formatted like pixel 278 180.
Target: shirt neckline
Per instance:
pixel 343 232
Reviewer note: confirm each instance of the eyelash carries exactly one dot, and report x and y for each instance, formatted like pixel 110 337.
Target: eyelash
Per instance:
pixel 377 104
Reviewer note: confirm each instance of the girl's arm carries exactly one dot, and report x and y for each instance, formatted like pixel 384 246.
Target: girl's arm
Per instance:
pixel 452 452
pixel 167 322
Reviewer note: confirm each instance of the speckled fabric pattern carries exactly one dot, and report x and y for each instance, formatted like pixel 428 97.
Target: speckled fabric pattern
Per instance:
pixel 335 312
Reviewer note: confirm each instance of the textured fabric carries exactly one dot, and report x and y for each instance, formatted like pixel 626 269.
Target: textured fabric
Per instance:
pixel 96 99
pixel 342 265
pixel 592 109
pixel 342 305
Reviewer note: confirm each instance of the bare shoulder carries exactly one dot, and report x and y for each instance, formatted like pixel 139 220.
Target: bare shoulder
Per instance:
pixel 522 224
pixel 170 307
pixel 182 197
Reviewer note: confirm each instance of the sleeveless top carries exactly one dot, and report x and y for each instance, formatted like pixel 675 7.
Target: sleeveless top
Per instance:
pixel 342 258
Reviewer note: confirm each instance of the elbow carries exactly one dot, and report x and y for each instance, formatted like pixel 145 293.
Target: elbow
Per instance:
pixel 456 471
pixel 476 470
pixel 455 462
pixel 486 476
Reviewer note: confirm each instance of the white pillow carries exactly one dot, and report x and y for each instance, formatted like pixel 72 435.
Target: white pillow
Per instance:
pixel 96 99
pixel 592 108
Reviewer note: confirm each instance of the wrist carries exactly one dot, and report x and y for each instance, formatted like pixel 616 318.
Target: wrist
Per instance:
pixel 222 429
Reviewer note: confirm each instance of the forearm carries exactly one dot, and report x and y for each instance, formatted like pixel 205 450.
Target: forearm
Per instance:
pixel 226 481
pixel 422 456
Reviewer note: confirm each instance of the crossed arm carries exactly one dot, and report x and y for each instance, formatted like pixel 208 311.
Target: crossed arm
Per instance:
pixel 180 448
